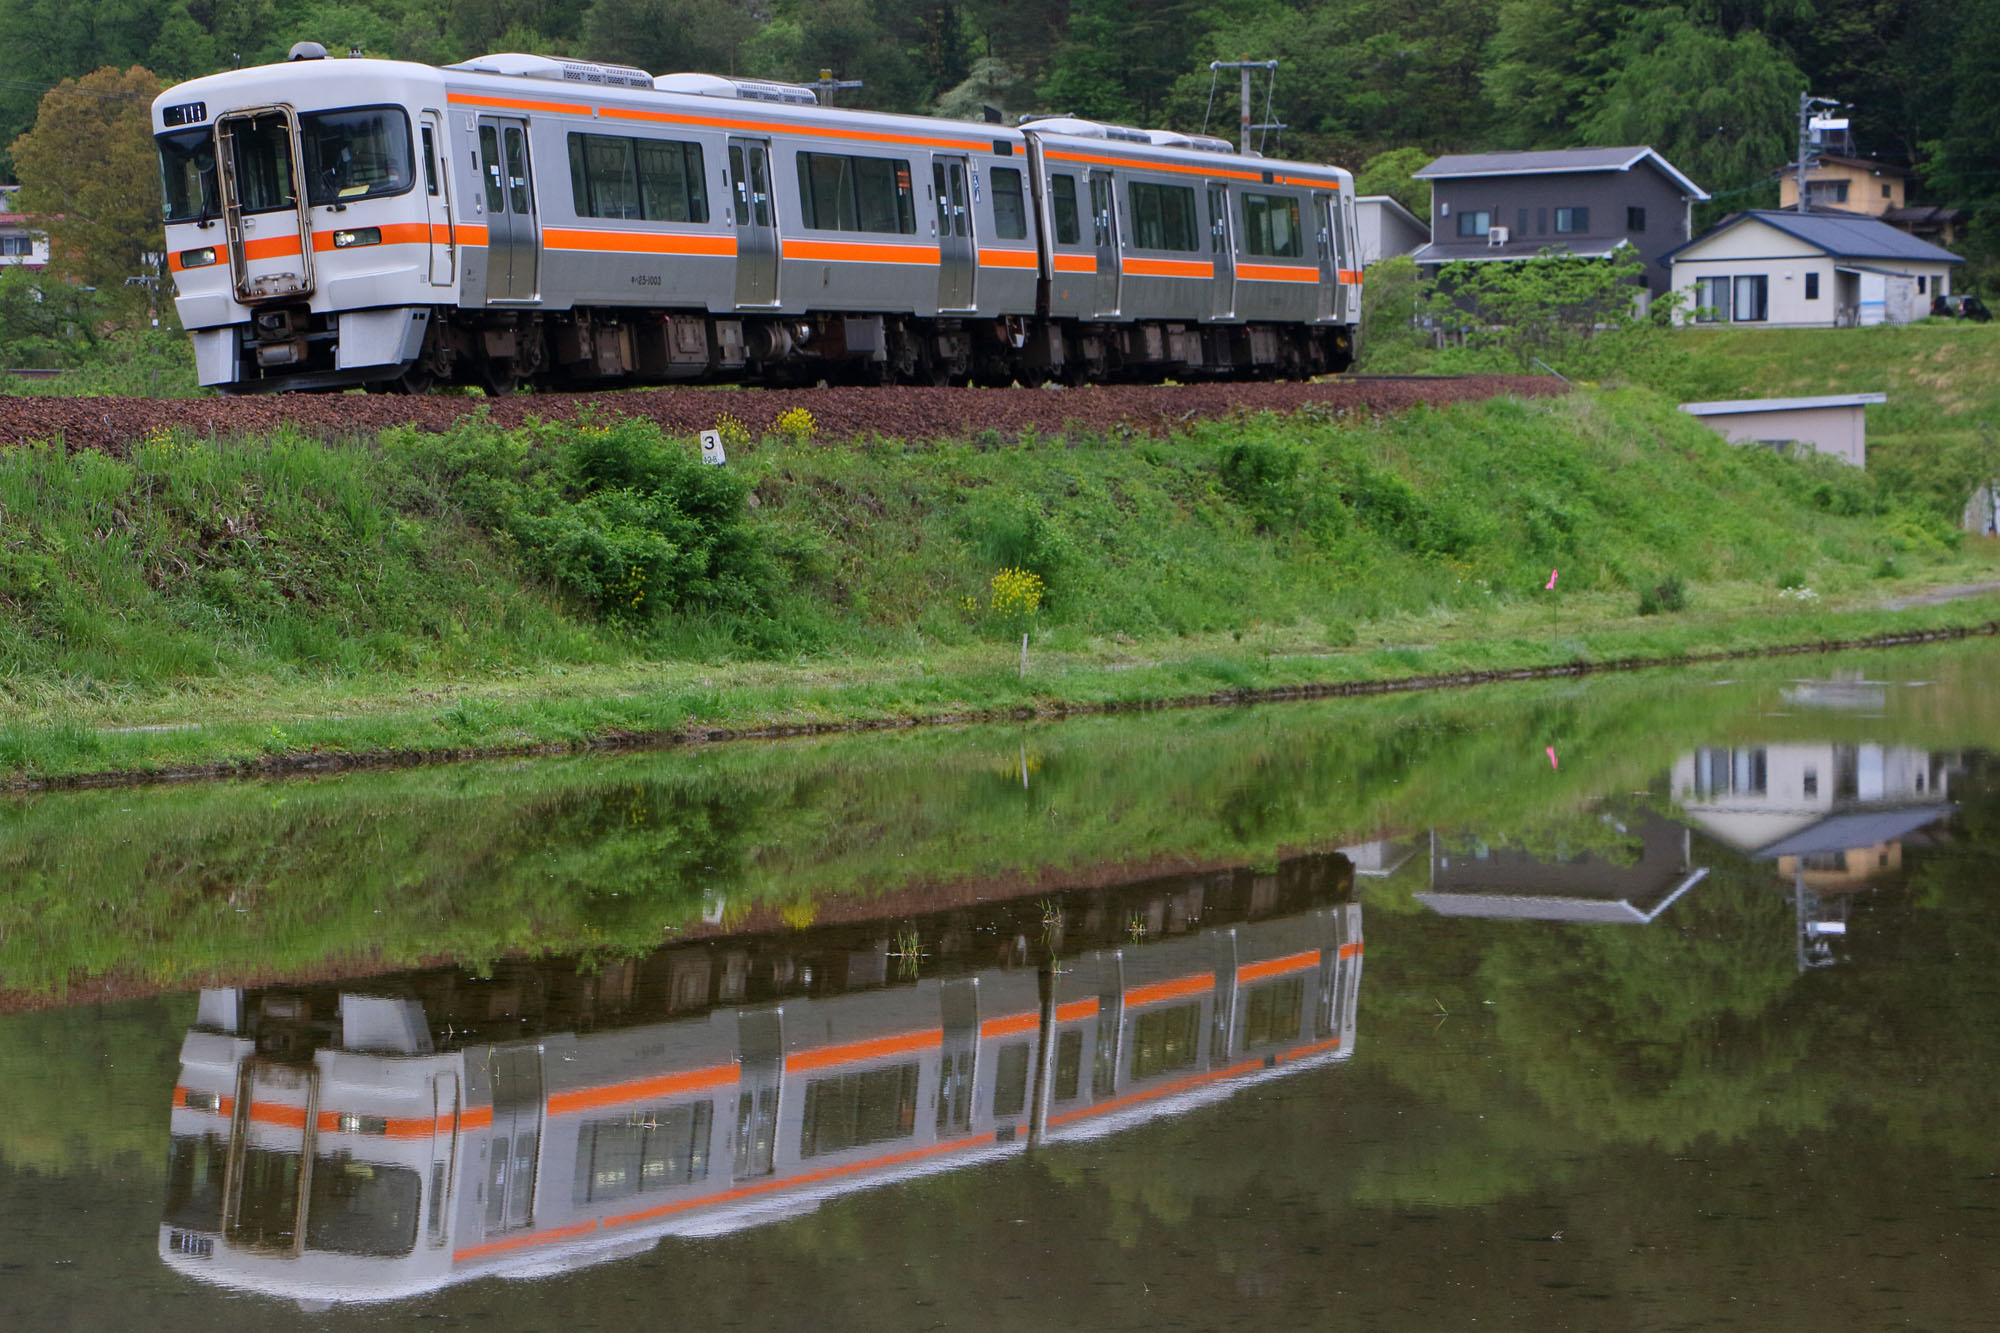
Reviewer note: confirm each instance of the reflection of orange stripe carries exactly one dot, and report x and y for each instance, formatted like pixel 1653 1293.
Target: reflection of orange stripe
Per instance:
pixel 1301 1052
pixel 518 104
pixel 475 1117
pixel 773 127
pixel 1350 275
pixel 530 1238
pixel 1169 268
pixel 1147 1094
pixel 1009 1026
pixel 1075 1009
pixel 226 1106
pixel 1350 950
pixel 1169 990
pixel 1007 259
pixel 277 1113
pixel 901 1044
pixel 862 252
pixel 395 1127
pixel 638 242
pixel 642 1089
pixel 1272 967
pixel 1277 273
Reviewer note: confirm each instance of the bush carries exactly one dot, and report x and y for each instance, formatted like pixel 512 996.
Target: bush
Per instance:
pixel 1669 594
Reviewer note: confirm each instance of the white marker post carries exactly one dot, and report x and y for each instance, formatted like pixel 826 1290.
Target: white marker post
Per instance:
pixel 711 448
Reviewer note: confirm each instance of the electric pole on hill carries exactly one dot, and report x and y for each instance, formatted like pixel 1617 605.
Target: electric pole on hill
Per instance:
pixel 1808 149
pixel 1244 126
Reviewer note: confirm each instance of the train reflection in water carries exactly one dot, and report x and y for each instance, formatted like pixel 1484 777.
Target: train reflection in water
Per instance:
pixel 378 1140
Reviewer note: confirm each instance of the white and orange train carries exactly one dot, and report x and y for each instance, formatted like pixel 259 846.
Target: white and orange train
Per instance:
pixel 390 1155
pixel 519 218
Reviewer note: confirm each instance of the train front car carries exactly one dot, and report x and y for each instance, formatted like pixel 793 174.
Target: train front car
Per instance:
pixel 307 225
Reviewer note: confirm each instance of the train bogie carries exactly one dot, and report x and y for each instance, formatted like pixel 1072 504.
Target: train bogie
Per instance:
pixel 519 219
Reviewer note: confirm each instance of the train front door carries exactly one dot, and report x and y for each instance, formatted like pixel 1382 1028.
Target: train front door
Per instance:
pixel 1104 233
pixel 756 228
pixel 437 202
pixel 513 244
pixel 956 256
pixel 1221 253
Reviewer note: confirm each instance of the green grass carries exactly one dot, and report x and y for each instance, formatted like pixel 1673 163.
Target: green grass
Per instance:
pixel 239 599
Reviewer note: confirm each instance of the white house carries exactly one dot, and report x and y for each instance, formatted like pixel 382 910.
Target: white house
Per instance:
pixel 19 246
pixel 1807 270
pixel 1386 229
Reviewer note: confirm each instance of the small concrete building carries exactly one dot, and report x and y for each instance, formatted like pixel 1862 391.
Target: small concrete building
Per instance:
pixel 1807 270
pixel 1833 424
pixel 1386 229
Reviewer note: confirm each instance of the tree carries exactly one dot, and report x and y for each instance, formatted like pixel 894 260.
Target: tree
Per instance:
pixel 1393 173
pixel 89 177
pixel 1548 308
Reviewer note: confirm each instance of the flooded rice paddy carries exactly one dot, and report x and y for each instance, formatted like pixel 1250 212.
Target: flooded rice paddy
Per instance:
pixel 1667 1001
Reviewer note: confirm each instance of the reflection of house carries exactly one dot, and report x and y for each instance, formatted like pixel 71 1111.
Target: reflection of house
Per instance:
pixel 1379 859
pixel 1836 814
pixel 19 246
pixel 333 1144
pixel 1807 270
pixel 1498 882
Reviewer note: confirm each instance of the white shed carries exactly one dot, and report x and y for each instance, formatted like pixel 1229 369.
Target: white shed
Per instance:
pixel 1804 270
pixel 1833 424
pixel 1386 229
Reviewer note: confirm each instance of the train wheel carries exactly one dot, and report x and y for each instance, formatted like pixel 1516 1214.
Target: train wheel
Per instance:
pixel 498 377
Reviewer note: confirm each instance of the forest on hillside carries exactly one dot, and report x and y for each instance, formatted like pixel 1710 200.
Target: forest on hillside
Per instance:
pixel 1713 85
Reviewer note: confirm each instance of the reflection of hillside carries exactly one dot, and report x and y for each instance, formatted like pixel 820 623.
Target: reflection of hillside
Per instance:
pixel 372 1142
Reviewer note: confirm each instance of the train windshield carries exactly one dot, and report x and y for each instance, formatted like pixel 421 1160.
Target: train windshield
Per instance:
pixel 187 175
pixel 263 162
pixel 359 154
pixel 196 1167
pixel 362 1208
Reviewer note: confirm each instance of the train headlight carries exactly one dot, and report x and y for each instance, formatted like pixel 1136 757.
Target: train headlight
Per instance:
pixel 343 240
pixel 201 258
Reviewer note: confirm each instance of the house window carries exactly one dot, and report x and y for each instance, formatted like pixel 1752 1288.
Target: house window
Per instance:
pixel 1521 221
pixel 1920 286
pixel 1826 192
pixel 1752 299
pixel 1572 220
pixel 17 245
pixel 1635 219
pixel 1711 300
pixel 1542 221
pixel 1475 223
pixel 1885 190
pixel 1812 286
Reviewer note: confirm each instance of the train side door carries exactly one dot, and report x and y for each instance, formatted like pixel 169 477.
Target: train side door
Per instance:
pixel 437 201
pixel 1326 222
pixel 513 245
pixel 760 1074
pixel 954 233
pixel 1350 295
pixel 515 1145
pixel 1222 252
pixel 756 228
pixel 1104 233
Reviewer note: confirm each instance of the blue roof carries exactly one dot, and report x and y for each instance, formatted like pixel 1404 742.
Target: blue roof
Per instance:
pixel 1841 235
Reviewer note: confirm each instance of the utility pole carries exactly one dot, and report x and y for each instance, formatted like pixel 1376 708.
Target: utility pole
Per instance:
pixel 1244 126
pixel 1808 151
pixel 828 85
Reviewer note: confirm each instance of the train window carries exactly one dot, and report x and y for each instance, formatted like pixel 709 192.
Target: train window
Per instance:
pixel 1010 1079
pixel 360 154
pixel 1069 1064
pixel 604 181
pixel 841 193
pixel 853 1110
pixel 187 175
pixel 263 164
pixel 670 181
pixel 1062 203
pixel 430 163
pixel 659 180
pixel 1164 1039
pixel 196 1167
pixel 517 171
pixel 1163 216
pixel 1273 1012
pixel 1271 226
pixel 742 188
pixel 489 157
pixel 760 186
pixel 648 1150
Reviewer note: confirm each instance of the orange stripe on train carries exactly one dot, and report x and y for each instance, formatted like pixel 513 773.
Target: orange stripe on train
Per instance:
pixel 1275 967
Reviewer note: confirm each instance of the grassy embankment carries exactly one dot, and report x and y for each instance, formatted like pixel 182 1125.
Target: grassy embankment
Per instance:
pixel 227 602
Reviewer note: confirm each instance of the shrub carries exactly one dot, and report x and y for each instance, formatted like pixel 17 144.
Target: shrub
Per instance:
pixel 1669 594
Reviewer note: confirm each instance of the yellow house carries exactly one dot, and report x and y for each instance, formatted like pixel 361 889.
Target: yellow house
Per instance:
pixel 1855 184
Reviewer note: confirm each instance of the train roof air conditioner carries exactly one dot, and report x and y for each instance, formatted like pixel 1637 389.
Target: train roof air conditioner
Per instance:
pixel 1496 236
pixel 747 90
pixel 523 66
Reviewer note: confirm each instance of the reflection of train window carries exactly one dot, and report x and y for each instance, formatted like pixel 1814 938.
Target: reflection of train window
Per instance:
pixel 1010 1080
pixel 195 1168
pixel 756 1132
pixel 954 1099
pixel 1069 1064
pixel 267 1207
pixel 857 1109
pixel 648 1150
pixel 1164 1039
pixel 1273 1012
pixel 362 1207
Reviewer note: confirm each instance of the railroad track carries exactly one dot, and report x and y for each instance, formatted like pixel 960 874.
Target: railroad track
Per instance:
pixel 113 424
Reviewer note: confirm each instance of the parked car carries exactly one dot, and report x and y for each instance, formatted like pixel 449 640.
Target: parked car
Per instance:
pixel 1960 306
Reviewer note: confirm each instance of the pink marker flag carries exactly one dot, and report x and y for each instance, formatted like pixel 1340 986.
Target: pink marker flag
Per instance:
pixel 1546 587
pixel 1551 750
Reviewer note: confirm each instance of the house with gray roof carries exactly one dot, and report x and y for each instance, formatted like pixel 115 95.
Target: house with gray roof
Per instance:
pixel 1807 270
pixel 1590 202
